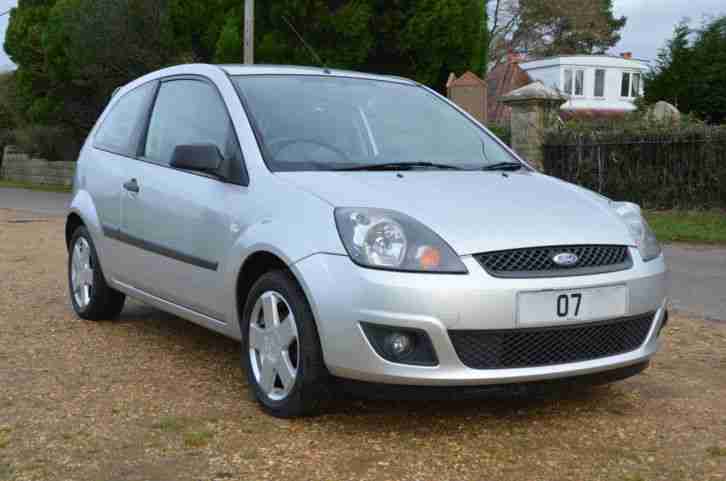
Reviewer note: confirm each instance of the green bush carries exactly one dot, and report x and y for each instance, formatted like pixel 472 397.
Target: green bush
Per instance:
pixel 48 142
pixel 503 131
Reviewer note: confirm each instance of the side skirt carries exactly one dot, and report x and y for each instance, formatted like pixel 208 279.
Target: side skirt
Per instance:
pixel 172 308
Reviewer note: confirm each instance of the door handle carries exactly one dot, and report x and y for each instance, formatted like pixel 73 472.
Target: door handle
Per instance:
pixel 132 186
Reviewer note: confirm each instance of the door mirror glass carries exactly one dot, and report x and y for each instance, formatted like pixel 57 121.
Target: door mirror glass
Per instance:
pixel 204 158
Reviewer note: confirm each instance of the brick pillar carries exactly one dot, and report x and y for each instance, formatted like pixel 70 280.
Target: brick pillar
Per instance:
pixel 470 93
pixel 534 109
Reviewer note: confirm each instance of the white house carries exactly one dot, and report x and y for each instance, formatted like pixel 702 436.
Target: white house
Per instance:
pixel 599 84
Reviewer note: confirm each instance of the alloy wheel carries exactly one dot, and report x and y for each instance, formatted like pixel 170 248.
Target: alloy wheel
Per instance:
pixel 273 345
pixel 82 273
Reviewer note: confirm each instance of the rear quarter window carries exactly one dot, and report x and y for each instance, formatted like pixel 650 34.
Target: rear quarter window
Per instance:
pixel 122 127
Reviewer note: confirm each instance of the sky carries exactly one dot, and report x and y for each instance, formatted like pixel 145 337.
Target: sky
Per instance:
pixel 5 62
pixel 650 23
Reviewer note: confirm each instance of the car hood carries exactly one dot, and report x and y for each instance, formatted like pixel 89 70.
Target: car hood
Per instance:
pixel 478 211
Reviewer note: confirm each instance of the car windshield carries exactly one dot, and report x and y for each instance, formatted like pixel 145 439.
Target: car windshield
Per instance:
pixel 340 123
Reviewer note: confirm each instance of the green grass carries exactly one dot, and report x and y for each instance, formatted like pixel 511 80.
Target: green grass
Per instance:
pixel 191 430
pixel 717 452
pixel 197 439
pixel 706 227
pixel 171 424
pixel 41 188
pixel 6 471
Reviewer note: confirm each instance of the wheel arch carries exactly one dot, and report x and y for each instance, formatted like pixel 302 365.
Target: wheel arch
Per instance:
pixel 256 265
pixel 73 222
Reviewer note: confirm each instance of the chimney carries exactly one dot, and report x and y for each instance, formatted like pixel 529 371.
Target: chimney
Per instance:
pixel 627 55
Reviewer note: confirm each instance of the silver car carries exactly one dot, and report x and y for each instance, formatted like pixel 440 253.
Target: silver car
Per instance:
pixel 345 225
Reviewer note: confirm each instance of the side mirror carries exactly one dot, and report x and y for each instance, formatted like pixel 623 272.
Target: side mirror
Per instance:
pixel 197 157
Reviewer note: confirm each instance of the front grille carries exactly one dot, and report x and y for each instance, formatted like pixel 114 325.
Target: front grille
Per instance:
pixel 539 261
pixel 518 348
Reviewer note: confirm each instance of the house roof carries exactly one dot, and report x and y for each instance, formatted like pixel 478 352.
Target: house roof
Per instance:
pixel 504 78
pixel 468 79
pixel 608 61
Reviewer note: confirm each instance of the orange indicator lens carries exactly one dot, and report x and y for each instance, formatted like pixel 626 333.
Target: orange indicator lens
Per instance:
pixel 429 257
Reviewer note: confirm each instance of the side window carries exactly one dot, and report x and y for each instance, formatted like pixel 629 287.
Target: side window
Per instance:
pixel 189 112
pixel 121 128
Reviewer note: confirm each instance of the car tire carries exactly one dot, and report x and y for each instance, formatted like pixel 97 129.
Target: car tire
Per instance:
pixel 300 379
pixel 91 297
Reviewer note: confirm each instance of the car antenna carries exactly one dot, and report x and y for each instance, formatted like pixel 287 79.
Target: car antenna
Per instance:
pixel 310 49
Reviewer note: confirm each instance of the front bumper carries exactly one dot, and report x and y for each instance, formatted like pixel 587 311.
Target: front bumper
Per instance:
pixel 343 295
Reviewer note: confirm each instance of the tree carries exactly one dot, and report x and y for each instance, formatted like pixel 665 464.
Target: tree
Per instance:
pixel 480 55
pixel 421 39
pixel 324 24
pixel 24 42
pixel 690 71
pixel 553 27
pixel 438 37
pixel 668 80
pixel 708 79
pixel 72 54
pixel 572 26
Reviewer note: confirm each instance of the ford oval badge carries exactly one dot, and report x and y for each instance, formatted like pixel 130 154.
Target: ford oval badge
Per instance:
pixel 565 259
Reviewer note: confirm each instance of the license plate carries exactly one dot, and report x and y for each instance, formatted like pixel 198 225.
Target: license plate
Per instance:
pixel 575 305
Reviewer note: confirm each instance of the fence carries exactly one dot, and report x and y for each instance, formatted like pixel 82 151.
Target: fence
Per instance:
pixel 667 171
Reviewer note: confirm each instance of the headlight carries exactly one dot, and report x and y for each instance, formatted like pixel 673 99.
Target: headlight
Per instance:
pixel 385 239
pixel 640 230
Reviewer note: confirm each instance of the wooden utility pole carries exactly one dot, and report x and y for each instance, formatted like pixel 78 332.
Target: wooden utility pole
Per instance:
pixel 249 34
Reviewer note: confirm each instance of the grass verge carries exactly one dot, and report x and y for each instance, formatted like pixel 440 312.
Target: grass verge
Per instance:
pixel 704 227
pixel 41 188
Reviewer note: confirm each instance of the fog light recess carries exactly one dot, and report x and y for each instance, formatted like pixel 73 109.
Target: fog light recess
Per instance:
pixel 401 345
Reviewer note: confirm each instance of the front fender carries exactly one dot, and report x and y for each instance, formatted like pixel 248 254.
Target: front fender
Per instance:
pixel 288 237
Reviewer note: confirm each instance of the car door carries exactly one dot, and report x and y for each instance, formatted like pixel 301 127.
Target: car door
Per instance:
pixel 114 149
pixel 174 221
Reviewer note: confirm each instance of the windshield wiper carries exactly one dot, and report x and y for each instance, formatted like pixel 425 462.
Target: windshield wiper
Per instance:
pixel 399 166
pixel 510 166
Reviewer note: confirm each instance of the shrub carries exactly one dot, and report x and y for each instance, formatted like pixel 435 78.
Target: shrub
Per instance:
pixel 48 142
pixel 503 131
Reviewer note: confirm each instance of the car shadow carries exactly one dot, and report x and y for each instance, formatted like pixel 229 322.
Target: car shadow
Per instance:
pixel 354 403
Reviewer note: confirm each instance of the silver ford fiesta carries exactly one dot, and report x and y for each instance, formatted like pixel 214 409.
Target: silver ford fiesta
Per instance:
pixel 344 225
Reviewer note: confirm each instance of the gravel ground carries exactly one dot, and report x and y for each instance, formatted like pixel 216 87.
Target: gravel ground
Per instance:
pixel 152 397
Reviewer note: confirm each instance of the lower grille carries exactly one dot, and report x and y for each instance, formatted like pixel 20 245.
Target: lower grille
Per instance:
pixel 518 348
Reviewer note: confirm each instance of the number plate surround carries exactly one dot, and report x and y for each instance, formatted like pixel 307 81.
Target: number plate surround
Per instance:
pixel 539 307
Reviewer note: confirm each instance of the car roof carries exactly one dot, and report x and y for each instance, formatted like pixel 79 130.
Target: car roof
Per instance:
pixel 257 69
pixel 260 69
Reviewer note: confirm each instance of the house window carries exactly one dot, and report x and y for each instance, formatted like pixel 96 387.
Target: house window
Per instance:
pixel 631 85
pixel 635 85
pixel 625 86
pixel 574 82
pixel 568 82
pixel 580 82
pixel 599 83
